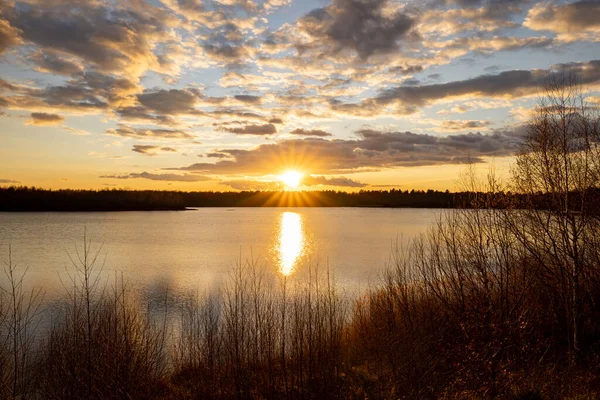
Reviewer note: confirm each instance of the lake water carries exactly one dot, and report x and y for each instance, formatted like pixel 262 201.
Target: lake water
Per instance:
pixel 197 250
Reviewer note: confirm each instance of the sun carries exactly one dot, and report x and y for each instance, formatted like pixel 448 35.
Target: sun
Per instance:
pixel 291 179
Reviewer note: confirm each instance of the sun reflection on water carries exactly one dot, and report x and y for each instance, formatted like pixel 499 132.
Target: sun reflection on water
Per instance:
pixel 291 242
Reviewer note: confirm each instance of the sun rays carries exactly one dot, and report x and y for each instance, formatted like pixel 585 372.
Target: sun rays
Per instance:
pixel 291 179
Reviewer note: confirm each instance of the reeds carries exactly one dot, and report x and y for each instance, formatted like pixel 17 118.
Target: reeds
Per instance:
pixel 264 337
pixel 103 344
pixel 18 322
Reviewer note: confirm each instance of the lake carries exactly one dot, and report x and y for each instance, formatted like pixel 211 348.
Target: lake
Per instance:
pixel 196 250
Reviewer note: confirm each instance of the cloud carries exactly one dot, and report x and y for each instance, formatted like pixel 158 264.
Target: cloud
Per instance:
pixel 249 185
pixel 160 106
pixel 139 114
pixel 375 41
pixel 447 17
pixel 45 119
pixel 224 30
pixel 372 150
pixel 160 177
pixel 508 84
pixel 338 181
pixel 464 125
pixel 88 93
pixel 365 27
pixel 268 129
pixel 140 133
pixel 216 155
pixel 152 150
pixel 490 45
pixel 170 102
pixel 52 63
pixel 571 21
pixel 8 36
pixel 309 132
pixel 248 99
pixel 112 39
pixel 9 181
pixel 228 54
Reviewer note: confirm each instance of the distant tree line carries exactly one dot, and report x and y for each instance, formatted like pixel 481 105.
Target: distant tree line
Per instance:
pixel 35 199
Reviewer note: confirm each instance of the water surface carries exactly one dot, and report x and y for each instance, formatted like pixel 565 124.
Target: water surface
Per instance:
pixel 196 250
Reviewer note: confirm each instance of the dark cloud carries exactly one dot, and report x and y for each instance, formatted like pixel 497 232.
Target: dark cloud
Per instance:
pixel 336 181
pixel 91 92
pixel 9 181
pixel 572 21
pixel 112 39
pixel 462 125
pixel 268 129
pixel 55 64
pixel 142 114
pixel 509 83
pixel 226 43
pixel 224 30
pixel 506 84
pixel 310 132
pixel 8 36
pixel 140 133
pixel 517 131
pixel 160 177
pixel 224 52
pixel 170 102
pixel 480 145
pixel 45 119
pixel 411 82
pixel 216 155
pixel 407 70
pixel 358 25
pixel 237 113
pixel 152 150
pixel 371 150
pixel 248 99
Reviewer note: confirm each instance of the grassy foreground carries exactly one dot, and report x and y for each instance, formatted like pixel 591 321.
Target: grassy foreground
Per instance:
pixel 466 311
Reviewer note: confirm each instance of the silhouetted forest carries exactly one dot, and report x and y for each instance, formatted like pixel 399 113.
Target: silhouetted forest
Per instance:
pixel 34 199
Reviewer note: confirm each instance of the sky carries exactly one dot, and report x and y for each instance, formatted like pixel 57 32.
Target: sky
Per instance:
pixel 231 94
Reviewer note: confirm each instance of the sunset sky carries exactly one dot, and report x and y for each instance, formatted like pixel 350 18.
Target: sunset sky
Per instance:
pixel 231 94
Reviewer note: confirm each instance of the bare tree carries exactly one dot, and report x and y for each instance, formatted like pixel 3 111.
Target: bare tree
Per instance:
pixel 558 170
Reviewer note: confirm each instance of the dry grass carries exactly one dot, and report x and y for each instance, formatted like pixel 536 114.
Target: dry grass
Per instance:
pixel 466 311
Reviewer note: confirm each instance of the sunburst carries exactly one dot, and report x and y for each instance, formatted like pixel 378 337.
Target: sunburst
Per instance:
pixel 291 179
